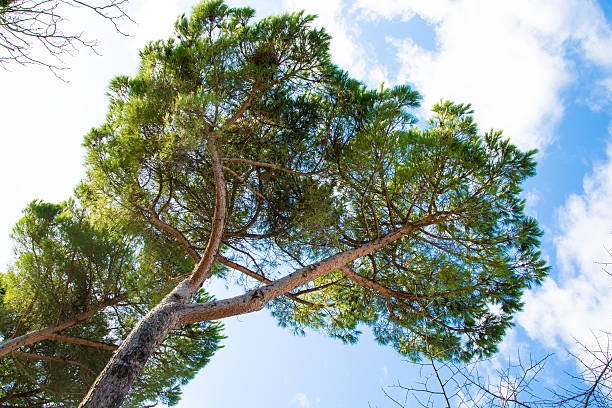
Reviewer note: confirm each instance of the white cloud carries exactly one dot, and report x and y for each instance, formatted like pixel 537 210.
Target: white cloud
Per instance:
pixel 533 197
pixel 509 59
pixel 301 400
pixel 513 61
pixel 347 49
pixel 579 302
pixel 489 57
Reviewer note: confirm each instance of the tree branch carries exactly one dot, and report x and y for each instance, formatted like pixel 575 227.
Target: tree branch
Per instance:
pixel 268 165
pixel 256 299
pixel 83 342
pixel 221 259
pixel 369 283
pixel 54 359
pixel 203 268
pixel 9 346
pixel 183 241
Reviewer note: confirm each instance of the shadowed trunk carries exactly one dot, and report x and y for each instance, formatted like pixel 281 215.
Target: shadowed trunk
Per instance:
pixel 115 381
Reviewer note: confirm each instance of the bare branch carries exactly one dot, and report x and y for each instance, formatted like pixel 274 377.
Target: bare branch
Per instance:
pixel 32 31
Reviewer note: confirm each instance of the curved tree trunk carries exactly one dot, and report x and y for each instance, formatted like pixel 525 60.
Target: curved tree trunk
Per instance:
pixel 114 382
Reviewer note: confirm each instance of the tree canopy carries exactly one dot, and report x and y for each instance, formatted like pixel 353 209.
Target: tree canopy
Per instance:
pixel 91 284
pixel 239 147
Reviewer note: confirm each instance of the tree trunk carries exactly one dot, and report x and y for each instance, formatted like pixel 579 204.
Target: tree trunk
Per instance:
pixel 115 381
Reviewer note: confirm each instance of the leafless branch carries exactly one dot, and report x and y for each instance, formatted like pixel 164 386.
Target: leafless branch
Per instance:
pixel 34 32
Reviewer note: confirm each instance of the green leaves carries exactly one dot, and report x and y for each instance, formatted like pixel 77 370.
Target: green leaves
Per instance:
pixel 220 69
pixel 449 289
pixel 67 266
pixel 315 164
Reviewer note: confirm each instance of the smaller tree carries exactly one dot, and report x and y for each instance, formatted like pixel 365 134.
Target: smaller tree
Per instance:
pixel 33 31
pixel 72 296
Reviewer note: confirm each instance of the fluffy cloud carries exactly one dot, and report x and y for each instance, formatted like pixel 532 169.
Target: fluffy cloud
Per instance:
pixel 513 61
pixel 301 400
pixel 509 59
pixel 579 302
pixel 348 47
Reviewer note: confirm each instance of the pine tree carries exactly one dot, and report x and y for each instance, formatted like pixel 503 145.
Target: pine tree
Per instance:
pixel 239 145
pixel 73 295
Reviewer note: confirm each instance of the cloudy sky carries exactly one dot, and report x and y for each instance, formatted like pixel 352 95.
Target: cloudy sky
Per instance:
pixel 539 70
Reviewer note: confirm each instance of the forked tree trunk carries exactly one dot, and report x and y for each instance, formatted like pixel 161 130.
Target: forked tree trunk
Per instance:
pixel 115 381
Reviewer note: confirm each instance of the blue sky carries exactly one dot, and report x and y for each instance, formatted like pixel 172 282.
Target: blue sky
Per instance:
pixel 541 71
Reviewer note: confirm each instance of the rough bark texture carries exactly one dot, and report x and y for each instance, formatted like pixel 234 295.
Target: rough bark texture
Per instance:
pixel 115 381
pixel 256 299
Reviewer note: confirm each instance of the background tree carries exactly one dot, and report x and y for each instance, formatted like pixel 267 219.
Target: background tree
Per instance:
pixel 34 32
pixel 74 293
pixel 522 383
pixel 242 145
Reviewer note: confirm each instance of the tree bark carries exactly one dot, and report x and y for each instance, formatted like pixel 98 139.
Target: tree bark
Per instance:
pixel 256 299
pixel 114 382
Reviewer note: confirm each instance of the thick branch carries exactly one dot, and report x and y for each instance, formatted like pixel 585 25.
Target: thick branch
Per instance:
pixel 256 299
pixel 244 106
pixel 591 390
pixel 203 268
pixel 14 396
pixel 29 338
pixel 260 278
